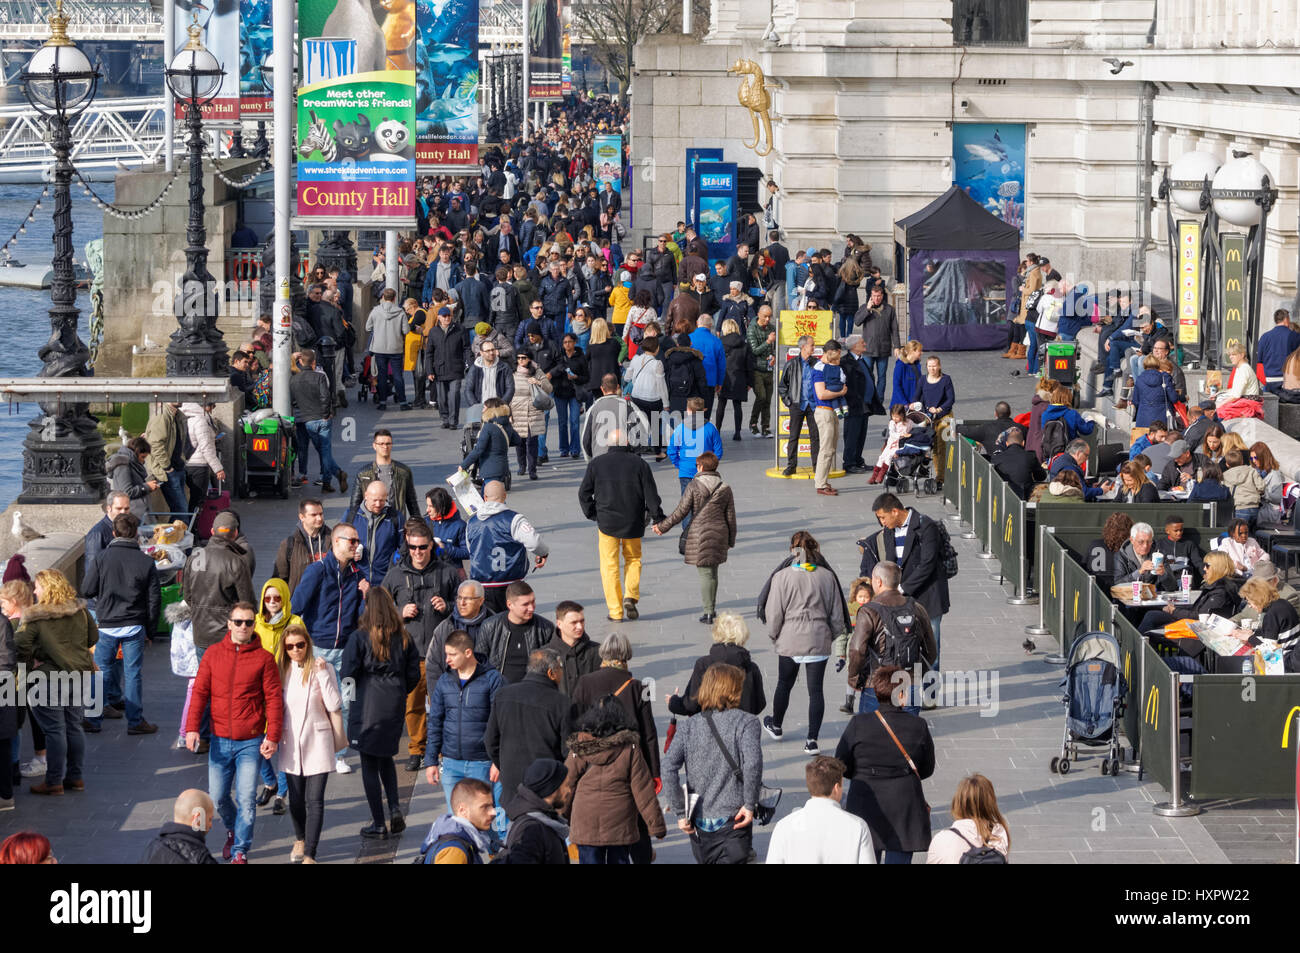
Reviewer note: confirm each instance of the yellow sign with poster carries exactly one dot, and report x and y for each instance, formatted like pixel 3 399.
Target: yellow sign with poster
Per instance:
pixel 1189 282
pixel 790 327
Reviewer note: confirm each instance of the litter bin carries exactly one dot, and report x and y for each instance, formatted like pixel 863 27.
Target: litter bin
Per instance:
pixel 1061 360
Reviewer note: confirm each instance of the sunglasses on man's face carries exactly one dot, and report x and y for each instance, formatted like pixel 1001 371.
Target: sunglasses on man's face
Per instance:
pixel 417 547
pixel 241 622
pixel 348 540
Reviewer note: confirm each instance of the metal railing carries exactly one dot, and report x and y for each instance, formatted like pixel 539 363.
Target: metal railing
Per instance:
pixel 110 131
pixel 105 19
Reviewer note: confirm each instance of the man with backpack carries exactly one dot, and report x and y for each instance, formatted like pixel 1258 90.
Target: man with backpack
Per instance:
pixel 921 549
pixel 462 836
pixel 507 310
pixel 891 629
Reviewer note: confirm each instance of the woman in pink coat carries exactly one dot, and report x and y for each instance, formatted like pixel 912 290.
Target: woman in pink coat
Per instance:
pixel 307 741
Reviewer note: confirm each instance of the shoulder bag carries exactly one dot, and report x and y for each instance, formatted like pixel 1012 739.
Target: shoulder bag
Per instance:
pixel 768 798
pixel 906 757
pixel 541 400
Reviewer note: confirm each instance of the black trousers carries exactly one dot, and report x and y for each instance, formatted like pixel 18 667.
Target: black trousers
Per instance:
pixel 709 394
pixel 526 455
pixel 855 438
pixel 307 808
pixel 737 413
pixel 787 673
pixel 374 771
pixel 799 417
pixel 494 598
pixel 723 846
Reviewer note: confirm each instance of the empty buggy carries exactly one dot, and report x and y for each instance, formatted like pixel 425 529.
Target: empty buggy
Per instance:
pixel 1095 693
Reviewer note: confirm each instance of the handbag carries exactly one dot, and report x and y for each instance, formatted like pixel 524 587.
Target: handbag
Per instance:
pixel 628 385
pixel 906 757
pixel 541 400
pixel 340 733
pixel 768 798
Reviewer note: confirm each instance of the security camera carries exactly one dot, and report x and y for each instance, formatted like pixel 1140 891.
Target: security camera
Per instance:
pixel 964 105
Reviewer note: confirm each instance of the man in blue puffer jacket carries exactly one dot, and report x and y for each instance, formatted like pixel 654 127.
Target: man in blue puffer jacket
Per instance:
pixel 379 528
pixel 460 703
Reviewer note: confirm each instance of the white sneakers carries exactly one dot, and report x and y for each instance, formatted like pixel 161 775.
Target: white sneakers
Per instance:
pixel 34 768
pixel 342 767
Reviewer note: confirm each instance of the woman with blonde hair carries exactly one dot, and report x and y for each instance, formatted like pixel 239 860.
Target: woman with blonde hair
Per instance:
pixel 907 375
pixel 720 819
pixel 1234 441
pixel 56 634
pixel 1218 596
pixel 738 378
pixel 977 823
pixel 384 666
pixel 307 743
pixel 730 635
pixel 602 358
pixel 491 453
pixel 1134 485
pixel 1242 381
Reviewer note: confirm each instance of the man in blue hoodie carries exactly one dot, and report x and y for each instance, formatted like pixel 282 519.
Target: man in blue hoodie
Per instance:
pixel 460 703
pixel 715 360
pixel 693 436
pixel 328 599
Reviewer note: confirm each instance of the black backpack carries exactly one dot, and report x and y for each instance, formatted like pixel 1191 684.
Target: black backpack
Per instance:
pixel 902 635
pixel 1055 436
pixel 947 554
pixel 979 854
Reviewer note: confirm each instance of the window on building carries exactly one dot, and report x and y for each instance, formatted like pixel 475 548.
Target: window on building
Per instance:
pixel 990 22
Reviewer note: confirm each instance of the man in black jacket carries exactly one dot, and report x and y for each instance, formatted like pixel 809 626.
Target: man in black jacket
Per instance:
pixel 446 352
pixel 578 654
pixel 313 411
pixel 537 832
pixel 987 432
pixel 910 539
pixel 800 400
pixel 123 581
pixel 1018 466
pixel 183 839
pixel 305 545
pixel 424 590
pixel 529 720
pixel 618 492
pixel 507 638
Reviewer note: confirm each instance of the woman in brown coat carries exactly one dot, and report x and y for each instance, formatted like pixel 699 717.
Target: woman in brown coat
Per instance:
pixel 612 787
pixel 712 508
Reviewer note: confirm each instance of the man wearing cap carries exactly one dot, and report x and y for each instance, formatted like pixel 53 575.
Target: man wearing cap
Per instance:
pixel 1183 465
pixel 694 262
pixel 538 833
pixel 445 354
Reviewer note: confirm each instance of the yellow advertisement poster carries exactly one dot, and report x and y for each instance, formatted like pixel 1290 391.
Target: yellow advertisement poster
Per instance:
pixel 1189 282
pixel 790 327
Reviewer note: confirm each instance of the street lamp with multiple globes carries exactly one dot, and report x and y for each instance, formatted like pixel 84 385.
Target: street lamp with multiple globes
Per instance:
pixel 197 348
pixel 63 456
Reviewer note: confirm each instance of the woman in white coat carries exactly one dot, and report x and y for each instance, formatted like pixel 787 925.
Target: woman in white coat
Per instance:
pixel 307 743
pixel 204 461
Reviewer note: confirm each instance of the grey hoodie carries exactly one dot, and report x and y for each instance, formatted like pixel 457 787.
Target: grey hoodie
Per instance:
pixel 387 324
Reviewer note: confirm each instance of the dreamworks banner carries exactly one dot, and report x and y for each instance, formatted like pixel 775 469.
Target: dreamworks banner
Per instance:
pixel 566 46
pixel 254 50
pixel 218 21
pixel 446 85
pixel 356 114
pixel 607 162
pixel 545 51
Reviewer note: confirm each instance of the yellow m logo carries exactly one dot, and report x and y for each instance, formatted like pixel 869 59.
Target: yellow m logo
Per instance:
pixel 1234 314
pixel 1234 254
pixel 994 503
pixel 1006 537
pixel 1076 605
pixel 1286 726
pixel 979 489
pixel 1128 667
pixel 1151 714
pixel 963 474
pixel 1233 284
pixel 1052 581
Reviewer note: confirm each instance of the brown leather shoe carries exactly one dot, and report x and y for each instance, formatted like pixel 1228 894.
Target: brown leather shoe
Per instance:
pixel 43 788
pixel 78 785
pixel 828 491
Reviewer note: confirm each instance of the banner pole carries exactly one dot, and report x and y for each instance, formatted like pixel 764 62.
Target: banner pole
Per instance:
pixel 283 29
pixel 1175 806
pixel 527 103
pixel 169 98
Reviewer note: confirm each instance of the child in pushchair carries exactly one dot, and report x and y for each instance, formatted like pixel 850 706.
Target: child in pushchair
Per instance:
pixel 367 382
pixel 911 467
pixel 897 431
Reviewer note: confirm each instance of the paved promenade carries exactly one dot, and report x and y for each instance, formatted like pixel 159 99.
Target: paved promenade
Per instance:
pixel 1081 818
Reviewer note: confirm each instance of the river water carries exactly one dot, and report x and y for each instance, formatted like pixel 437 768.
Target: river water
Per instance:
pixel 24 321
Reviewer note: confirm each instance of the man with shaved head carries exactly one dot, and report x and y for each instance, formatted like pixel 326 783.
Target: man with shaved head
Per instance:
pixel 183 839
pixel 499 541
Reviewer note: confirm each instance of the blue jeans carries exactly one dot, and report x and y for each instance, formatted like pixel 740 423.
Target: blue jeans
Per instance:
pixel 876 368
pixel 541 438
pixel 321 435
pixel 454 771
pixel 232 785
pixel 620 854
pixel 686 520
pixel 128 687
pixel 334 658
pixel 1031 362
pixel 273 778
pixel 893 856
pixel 845 321
pixel 567 412
pixel 173 491
pixel 388 367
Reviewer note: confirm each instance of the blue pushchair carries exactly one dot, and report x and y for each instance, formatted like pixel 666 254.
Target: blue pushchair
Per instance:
pixel 1095 693
pixel 913 466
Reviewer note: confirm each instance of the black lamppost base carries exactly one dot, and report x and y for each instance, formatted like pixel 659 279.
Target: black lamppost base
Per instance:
pixel 205 359
pixel 62 469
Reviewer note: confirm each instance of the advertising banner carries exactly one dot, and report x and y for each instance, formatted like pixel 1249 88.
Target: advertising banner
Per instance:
pixel 1234 294
pixel 219 32
pixel 791 326
pixel 692 157
pixel 566 45
pixel 545 51
pixel 1189 282
pixel 446 87
pixel 607 162
pixel 988 164
pixel 715 211
pixel 254 50
pixel 356 114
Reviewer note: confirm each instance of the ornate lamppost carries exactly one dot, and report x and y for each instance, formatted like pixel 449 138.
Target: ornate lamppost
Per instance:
pixel 63 456
pixel 197 348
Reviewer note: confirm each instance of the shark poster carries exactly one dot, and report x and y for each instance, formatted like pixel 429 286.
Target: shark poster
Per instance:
pixel 446 83
pixel 988 161
pixel 254 50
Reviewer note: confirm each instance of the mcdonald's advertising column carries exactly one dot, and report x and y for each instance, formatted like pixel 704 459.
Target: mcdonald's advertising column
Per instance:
pixel 790 326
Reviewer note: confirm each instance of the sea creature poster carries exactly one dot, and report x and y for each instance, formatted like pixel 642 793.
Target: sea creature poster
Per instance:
pixel 254 50
pixel 988 161
pixel 446 85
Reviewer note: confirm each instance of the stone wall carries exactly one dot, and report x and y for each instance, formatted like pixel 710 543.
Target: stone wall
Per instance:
pixel 144 259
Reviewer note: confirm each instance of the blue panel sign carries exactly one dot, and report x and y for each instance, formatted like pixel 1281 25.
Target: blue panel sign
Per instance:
pixel 692 157
pixel 715 207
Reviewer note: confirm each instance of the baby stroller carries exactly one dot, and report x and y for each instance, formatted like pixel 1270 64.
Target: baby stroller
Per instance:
pixel 469 437
pixel 913 466
pixel 1095 692
pixel 367 382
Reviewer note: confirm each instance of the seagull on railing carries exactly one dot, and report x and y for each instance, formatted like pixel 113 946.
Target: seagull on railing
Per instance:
pixel 22 531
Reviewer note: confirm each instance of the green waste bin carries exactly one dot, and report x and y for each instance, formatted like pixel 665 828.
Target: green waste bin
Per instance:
pixel 170 594
pixel 1061 361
